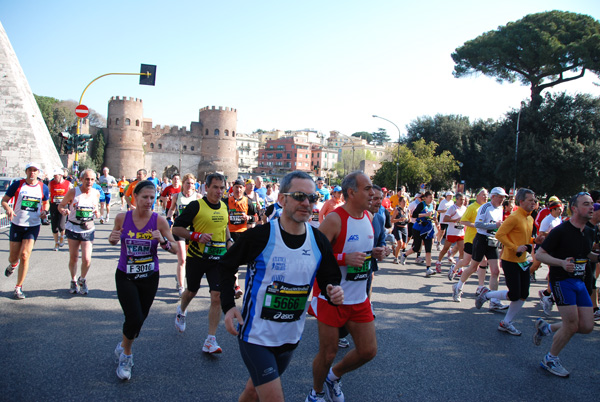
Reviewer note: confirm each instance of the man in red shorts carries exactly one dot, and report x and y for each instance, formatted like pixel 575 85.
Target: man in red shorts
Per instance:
pixel 350 232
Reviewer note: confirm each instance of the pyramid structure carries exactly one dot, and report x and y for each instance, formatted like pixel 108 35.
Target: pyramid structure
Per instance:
pixel 24 136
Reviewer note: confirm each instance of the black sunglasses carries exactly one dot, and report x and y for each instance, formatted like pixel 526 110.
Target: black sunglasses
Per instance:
pixel 300 196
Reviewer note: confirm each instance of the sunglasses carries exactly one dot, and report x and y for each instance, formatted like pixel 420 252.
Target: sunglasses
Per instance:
pixel 300 196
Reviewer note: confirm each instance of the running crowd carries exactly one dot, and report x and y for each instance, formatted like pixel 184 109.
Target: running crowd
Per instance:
pixel 298 238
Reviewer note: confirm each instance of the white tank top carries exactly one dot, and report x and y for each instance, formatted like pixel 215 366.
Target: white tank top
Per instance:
pixel 183 201
pixel 82 209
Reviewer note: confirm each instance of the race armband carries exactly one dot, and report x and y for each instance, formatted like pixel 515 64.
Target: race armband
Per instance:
pixel 341 259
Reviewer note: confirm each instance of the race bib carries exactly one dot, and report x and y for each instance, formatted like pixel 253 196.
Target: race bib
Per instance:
pixel 315 215
pixel 84 214
pixel 30 204
pixel 235 217
pixel 284 302
pixel 580 264
pixel 214 250
pixel 58 199
pixel 140 266
pixel 359 273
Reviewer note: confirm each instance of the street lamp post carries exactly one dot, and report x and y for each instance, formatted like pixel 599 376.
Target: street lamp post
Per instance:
pixel 399 135
pixel 517 148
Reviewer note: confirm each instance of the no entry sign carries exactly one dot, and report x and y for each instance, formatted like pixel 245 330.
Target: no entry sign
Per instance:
pixel 82 111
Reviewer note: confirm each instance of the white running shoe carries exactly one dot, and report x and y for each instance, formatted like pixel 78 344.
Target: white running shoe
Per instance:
pixel 456 293
pixel 10 269
pixel 508 327
pixel 333 389
pixel 19 295
pixel 402 259
pixel 554 366
pixel 180 320
pixel 125 366
pixel 73 289
pixel 343 343
pixel 481 299
pixel 118 350
pixel 211 346
pixel 540 331
pixel 438 267
pixel 83 288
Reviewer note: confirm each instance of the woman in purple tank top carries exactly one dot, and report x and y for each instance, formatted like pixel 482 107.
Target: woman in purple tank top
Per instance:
pixel 140 232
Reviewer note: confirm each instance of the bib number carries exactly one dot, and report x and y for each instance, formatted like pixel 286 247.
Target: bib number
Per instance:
pixel 58 199
pixel 284 302
pixel 140 268
pixel 359 273
pixel 214 250
pixel 84 214
pixel 235 217
pixel 492 242
pixel 315 216
pixel 580 265
pixel 30 204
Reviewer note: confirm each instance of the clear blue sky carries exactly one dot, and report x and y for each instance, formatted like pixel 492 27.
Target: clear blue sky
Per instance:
pixel 327 65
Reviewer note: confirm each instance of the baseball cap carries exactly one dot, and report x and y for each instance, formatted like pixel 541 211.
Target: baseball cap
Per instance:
pixel 418 195
pixel 553 199
pixel 58 171
pixel 383 189
pixel 33 165
pixel 319 179
pixel 337 188
pixel 238 182
pixel 596 206
pixel 249 181
pixel 449 193
pixel 498 191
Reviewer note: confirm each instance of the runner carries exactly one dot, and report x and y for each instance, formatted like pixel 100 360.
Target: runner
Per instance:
pixel 400 221
pixel 242 216
pixel 284 257
pixel 330 205
pixel 178 203
pixel 140 176
pixel 567 250
pixel 107 182
pixel 166 196
pixel 137 273
pixel 58 189
pixel 444 205
pixel 321 189
pixel 30 207
pixel 468 220
pixel 515 236
pixel 81 205
pixel 123 183
pixel 423 231
pixel 350 232
pixel 209 239
pixel 455 230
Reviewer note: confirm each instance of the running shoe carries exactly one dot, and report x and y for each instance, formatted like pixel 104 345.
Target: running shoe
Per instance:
pixel 61 241
pixel 118 350
pixel 180 289
pixel 597 315
pixel 459 273
pixel 429 272
pixel 540 328
pixel 333 389
pixel 419 260
pixel 478 291
pixel 480 300
pixel 238 292
pixel 402 259
pixel 102 222
pixel 343 343
pixel 320 397
pixel 56 246
pixel 508 327
pixel 554 366
pixel 545 303
pixel 438 267
pixel 451 272
pixel 125 366
pixel 498 307
pixel 395 260
pixel 438 246
pixel 180 320
pixel 456 293
pixel 9 270
pixel 83 288
pixel 106 220
pixel 211 346
pixel 18 293
pixel 73 289
pixel 532 277
pixel 451 260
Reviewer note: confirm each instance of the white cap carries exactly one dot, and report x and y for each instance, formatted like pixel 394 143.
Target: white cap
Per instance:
pixel 33 165
pixel 58 171
pixel 449 193
pixel 498 191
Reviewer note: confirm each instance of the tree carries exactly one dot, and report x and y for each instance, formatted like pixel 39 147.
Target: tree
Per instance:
pixel 364 135
pixel 541 50
pixel 350 160
pixel 417 164
pixel 97 149
pixel 380 137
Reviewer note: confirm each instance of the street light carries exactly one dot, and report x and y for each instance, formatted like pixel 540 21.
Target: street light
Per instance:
pixel 517 148
pixel 399 135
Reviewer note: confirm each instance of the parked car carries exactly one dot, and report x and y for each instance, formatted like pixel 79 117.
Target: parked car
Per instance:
pixel 5 183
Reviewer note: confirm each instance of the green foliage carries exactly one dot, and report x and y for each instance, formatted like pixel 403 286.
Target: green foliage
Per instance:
pixel 97 149
pixel 380 137
pixel 364 135
pixel 418 163
pixel 536 50
pixel 350 160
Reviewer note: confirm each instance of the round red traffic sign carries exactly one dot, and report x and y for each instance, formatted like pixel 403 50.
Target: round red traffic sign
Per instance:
pixel 82 111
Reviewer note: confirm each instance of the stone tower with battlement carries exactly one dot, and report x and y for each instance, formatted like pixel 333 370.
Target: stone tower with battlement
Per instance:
pixel 218 127
pixel 124 154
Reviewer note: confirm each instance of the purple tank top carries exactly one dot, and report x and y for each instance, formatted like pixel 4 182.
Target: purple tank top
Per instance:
pixel 138 251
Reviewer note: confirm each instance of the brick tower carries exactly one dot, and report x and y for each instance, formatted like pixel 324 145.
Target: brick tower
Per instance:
pixel 124 153
pixel 218 153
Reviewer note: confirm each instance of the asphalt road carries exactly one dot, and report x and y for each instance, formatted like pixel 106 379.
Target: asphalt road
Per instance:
pixel 58 346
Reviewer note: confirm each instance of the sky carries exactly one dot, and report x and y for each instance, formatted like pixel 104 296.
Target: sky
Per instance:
pixel 289 65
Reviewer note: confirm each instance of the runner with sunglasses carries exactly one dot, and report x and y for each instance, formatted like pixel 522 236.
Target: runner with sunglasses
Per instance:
pixel 284 257
pixel 567 249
